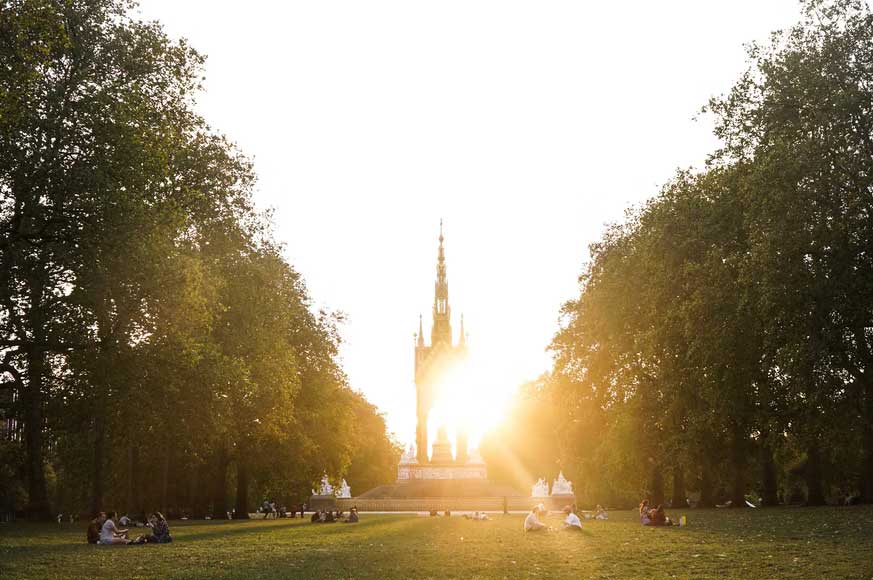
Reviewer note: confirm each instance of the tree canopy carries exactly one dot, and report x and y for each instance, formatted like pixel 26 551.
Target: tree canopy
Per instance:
pixel 157 349
pixel 722 339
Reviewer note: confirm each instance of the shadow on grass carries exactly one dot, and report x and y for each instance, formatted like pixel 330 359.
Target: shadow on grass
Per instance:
pixel 232 529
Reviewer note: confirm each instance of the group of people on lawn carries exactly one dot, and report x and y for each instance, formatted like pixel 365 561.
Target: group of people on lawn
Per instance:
pixel 572 522
pixel 653 516
pixel 329 517
pixel 104 530
pixel 649 516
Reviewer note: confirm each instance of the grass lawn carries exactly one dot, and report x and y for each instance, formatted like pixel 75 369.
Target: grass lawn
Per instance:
pixel 759 544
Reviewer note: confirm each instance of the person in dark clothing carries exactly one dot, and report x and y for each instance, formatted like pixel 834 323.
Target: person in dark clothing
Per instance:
pixel 659 518
pixel 160 530
pixel 94 528
pixel 315 519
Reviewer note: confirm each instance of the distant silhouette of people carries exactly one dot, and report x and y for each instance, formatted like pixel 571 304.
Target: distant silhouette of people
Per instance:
pixel 353 516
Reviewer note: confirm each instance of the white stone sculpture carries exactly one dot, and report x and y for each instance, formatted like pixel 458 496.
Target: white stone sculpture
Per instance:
pixel 540 488
pixel 561 486
pixel 326 488
pixel 408 457
pixel 475 458
pixel 344 491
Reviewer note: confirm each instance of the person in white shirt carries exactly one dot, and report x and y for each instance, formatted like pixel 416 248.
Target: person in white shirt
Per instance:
pixel 572 522
pixel 532 522
pixel 110 534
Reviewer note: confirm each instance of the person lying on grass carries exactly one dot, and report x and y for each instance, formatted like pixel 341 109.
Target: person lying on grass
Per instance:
pixel 532 522
pixel 572 521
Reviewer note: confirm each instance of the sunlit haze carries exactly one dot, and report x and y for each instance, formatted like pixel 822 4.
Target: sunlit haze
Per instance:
pixel 525 126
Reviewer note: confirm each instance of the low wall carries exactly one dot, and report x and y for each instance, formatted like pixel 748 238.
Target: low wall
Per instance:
pixel 441 504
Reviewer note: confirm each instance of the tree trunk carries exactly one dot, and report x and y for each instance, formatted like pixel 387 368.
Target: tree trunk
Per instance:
pixel 770 495
pixel 679 495
pixel 866 483
pixel 97 480
pixel 131 478
pixel 738 452
pixel 219 493
pixel 193 499
pixel 707 496
pixel 165 481
pixel 657 496
pixel 242 489
pixel 812 473
pixel 37 506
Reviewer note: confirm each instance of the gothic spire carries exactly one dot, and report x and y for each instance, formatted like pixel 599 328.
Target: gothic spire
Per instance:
pixel 442 327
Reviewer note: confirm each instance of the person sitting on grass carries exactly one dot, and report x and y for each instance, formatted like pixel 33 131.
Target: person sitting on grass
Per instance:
pixel 316 518
pixel 600 513
pixel 532 522
pixel 110 534
pixel 353 516
pixel 572 521
pixel 94 528
pixel 659 518
pixel 645 518
pixel 160 530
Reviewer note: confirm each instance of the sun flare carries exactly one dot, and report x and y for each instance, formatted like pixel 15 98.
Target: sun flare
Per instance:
pixel 470 396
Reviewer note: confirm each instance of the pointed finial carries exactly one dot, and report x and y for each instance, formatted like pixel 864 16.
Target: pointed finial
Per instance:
pixel 420 331
pixel 463 338
pixel 441 230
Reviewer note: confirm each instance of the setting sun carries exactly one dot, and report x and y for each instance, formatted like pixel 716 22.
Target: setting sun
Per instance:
pixel 472 396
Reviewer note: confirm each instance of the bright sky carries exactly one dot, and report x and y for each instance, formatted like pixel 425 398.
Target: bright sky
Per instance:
pixel 526 126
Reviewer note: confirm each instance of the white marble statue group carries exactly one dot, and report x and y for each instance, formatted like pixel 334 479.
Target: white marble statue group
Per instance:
pixel 342 492
pixel 560 486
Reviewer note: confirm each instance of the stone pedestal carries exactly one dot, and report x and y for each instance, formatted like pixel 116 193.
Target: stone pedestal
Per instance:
pixel 322 502
pixel 407 473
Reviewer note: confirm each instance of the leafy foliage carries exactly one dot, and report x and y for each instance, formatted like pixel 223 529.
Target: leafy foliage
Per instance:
pixel 158 338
